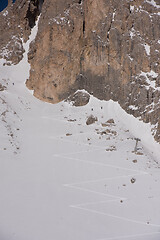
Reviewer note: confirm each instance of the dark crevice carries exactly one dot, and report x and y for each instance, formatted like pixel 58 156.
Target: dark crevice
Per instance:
pixel 109 31
pixel 84 26
pixel 147 97
pixel 152 97
pixel 40 5
pixel 110 26
pixel 34 9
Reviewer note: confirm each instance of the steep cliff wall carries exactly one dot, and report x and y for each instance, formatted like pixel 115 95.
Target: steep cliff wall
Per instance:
pixel 110 48
pixel 16 23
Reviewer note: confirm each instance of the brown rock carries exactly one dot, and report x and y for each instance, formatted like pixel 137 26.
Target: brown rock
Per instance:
pixel 2 88
pixel 133 180
pixel 111 121
pixel 134 161
pixel 111 148
pixel 68 134
pixel 91 119
pixel 104 124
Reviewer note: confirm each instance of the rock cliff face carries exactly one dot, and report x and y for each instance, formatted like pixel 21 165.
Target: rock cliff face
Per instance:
pixel 109 48
pixel 16 23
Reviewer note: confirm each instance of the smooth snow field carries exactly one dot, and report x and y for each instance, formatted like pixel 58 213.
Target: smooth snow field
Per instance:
pixel 61 179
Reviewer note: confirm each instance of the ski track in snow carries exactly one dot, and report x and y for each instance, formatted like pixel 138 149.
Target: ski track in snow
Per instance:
pixel 116 198
pixel 83 206
pixel 130 236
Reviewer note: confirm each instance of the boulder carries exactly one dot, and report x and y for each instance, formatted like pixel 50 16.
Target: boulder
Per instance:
pixel 91 119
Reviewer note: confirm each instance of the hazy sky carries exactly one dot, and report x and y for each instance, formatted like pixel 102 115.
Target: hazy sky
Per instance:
pixel 3 4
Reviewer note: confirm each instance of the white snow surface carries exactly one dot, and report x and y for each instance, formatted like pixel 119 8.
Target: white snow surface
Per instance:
pixel 147 48
pixel 132 32
pixel 133 107
pixel 131 8
pixel 153 3
pixel 63 180
pixel 5 13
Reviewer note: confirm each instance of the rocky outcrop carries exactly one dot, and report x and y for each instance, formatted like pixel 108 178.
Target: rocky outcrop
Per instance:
pixel 79 99
pixel 55 56
pixel 16 23
pixel 109 48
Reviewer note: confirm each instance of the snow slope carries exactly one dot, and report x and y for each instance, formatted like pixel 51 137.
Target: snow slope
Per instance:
pixel 63 180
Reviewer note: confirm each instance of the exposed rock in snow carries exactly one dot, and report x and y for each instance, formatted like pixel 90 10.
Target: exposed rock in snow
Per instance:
pixel 91 119
pixel 80 98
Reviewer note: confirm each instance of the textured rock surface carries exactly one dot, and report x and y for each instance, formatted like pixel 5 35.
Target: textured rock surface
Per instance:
pixel 80 98
pixel 110 48
pixel 91 119
pixel 55 57
pixel 2 88
pixel 16 23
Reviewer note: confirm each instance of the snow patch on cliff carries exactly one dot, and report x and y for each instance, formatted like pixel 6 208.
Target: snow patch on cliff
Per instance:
pixel 147 49
pixel 153 3
pixel 5 13
pixel 150 79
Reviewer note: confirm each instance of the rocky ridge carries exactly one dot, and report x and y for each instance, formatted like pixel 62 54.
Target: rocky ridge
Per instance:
pixel 109 48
